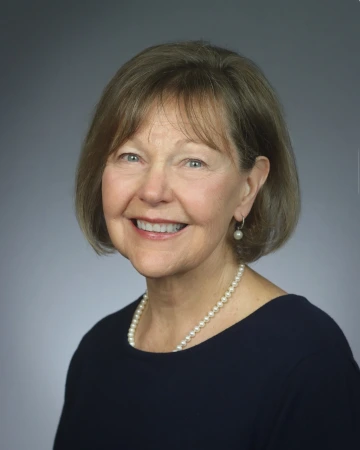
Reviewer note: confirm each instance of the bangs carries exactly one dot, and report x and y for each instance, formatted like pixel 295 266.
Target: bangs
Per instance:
pixel 200 110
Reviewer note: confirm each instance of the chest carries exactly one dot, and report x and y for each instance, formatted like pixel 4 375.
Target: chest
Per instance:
pixel 197 406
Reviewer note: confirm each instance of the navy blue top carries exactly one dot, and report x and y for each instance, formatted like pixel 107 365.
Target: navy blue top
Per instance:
pixel 283 378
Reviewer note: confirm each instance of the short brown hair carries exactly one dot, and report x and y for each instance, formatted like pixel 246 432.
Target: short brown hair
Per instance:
pixel 196 73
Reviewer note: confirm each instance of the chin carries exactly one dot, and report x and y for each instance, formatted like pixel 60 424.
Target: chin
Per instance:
pixel 153 267
pixel 152 272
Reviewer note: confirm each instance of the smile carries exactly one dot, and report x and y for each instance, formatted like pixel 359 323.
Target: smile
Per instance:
pixel 157 230
pixel 159 227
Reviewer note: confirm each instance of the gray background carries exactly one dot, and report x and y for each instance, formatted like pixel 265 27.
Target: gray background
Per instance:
pixel 56 58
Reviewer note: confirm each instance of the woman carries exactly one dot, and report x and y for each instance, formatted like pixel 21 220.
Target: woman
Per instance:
pixel 187 170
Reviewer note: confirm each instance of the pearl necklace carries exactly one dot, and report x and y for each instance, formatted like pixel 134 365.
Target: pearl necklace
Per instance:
pixel 139 310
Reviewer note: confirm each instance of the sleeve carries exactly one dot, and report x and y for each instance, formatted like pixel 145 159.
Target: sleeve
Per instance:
pixel 73 374
pixel 319 405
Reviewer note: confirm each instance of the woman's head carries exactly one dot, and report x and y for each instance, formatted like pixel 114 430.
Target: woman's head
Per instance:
pixel 215 98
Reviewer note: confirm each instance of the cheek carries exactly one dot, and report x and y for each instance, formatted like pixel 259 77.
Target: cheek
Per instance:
pixel 112 191
pixel 209 203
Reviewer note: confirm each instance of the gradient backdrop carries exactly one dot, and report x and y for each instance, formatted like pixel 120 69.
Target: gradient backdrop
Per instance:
pixel 56 58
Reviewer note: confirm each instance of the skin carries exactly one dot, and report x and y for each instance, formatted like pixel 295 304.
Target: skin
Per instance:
pixel 159 174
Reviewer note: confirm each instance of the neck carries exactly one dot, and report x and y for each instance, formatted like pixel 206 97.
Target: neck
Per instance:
pixel 176 303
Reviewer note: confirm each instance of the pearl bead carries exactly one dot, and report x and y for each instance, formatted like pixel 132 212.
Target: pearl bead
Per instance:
pixel 192 333
pixel 211 314
pixel 206 319
pixel 238 234
pixel 215 309
pixel 183 343
pixel 202 324
pixel 197 329
pixel 220 304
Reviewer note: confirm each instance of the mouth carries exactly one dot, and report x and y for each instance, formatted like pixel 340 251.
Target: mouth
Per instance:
pixel 160 228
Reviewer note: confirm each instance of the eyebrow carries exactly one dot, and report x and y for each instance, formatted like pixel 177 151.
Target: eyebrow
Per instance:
pixel 179 142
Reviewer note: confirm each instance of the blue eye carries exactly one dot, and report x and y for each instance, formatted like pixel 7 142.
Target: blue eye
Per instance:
pixel 131 155
pixel 196 161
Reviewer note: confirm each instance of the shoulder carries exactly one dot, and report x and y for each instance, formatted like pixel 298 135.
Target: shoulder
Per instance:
pixel 295 326
pixel 310 381
pixel 291 320
pixel 108 329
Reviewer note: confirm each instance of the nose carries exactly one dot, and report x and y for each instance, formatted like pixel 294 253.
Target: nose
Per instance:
pixel 155 186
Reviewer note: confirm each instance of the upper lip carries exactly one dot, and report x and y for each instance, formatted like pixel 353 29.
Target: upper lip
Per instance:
pixel 157 220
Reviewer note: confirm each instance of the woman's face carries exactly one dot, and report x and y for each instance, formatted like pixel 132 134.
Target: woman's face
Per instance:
pixel 161 177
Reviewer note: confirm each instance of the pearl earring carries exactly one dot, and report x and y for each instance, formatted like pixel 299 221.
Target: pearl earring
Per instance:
pixel 239 234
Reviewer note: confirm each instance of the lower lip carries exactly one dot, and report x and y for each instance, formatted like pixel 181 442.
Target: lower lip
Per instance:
pixel 157 236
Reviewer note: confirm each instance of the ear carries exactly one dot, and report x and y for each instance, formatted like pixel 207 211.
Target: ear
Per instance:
pixel 250 186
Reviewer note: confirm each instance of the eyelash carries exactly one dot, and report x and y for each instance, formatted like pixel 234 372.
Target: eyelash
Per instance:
pixel 189 160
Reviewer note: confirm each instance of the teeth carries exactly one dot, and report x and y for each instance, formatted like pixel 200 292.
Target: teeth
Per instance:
pixel 159 227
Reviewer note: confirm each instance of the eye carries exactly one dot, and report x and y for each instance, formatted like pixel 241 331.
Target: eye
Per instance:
pixel 195 163
pixel 129 157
